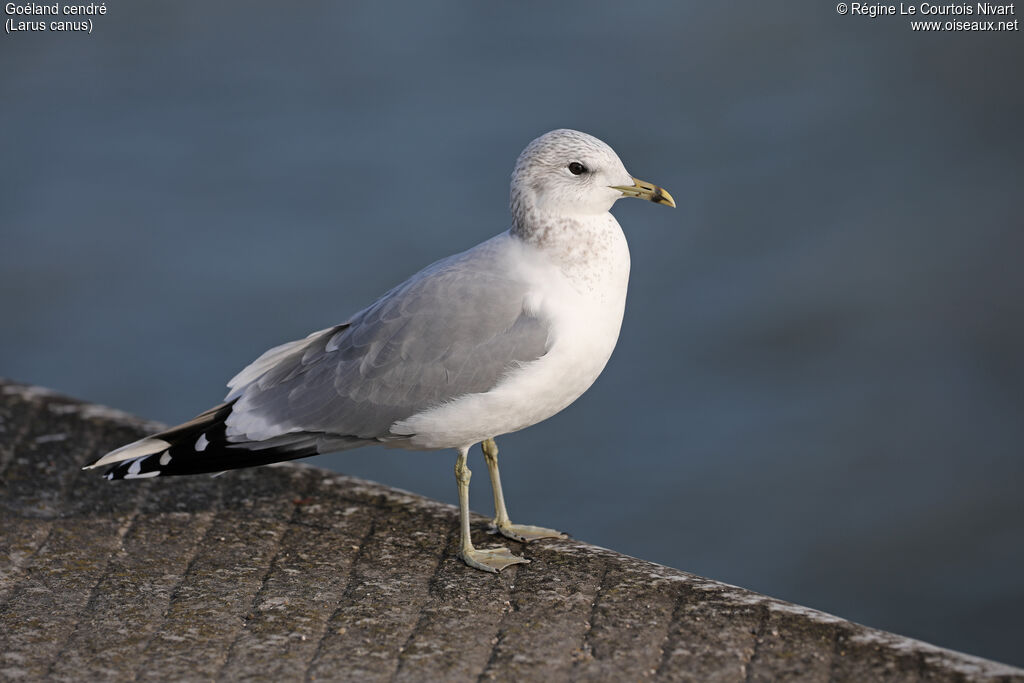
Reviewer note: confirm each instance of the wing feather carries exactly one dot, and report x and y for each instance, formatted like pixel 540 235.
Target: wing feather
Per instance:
pixel 454 328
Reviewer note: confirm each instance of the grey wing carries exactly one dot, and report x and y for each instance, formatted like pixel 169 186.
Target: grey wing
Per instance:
pixel 453 329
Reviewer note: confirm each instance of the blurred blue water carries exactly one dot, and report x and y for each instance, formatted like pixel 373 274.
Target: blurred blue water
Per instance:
pixel 819 388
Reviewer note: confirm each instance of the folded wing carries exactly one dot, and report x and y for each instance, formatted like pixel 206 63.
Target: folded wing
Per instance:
pixel 455 328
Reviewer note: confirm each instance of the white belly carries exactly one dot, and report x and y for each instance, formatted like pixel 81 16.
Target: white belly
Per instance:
pixel 584 308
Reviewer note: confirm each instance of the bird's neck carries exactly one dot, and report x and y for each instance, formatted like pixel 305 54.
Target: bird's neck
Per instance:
pixel 581 245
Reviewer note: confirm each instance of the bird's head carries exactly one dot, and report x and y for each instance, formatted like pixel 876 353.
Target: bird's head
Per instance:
pixel 569 173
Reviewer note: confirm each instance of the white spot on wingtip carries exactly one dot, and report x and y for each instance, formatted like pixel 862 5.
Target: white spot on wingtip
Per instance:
pixel 165 458
pixel 202 442
pixel 143 475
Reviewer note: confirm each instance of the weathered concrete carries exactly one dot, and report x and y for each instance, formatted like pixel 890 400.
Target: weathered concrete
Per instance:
pixel 292 573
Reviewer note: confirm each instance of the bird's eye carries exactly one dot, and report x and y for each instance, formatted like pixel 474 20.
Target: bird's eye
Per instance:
pixel 576 168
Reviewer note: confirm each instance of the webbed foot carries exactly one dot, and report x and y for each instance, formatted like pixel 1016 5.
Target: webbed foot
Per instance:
pixel 524 533
pixel 490 559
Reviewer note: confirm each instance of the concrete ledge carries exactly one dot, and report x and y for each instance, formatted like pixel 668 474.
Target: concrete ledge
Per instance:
pixel 295 573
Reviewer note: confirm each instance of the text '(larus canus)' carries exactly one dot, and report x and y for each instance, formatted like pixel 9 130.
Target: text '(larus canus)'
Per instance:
pixel 477 345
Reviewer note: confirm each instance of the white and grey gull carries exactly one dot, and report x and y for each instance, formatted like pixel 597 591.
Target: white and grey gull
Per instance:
pixel 476 345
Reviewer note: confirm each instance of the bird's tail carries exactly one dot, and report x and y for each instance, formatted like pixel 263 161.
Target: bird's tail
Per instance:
pixel 197 446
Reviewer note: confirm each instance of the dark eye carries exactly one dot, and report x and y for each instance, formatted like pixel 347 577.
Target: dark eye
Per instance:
pixel 576 168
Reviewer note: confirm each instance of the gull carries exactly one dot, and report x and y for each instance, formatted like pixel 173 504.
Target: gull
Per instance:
pixel 474 346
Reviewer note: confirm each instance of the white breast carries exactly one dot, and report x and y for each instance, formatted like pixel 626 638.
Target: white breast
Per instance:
pixel 581 291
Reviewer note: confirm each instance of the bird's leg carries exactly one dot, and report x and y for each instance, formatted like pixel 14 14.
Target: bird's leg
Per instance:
pixel 488 559
pixel 517 532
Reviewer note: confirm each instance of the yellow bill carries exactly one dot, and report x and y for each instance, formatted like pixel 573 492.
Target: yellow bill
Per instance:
pixel 645 190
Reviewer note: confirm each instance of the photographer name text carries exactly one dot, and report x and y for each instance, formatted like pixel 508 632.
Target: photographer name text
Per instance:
pixel 927 16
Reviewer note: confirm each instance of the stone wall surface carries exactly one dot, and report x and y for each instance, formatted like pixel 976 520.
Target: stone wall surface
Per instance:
pixel 294 573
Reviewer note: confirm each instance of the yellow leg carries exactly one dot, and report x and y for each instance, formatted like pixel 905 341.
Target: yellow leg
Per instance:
pixel 488 559
pixel 517 532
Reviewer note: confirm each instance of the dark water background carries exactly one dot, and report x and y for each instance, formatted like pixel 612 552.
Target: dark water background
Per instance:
pixel 819 388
